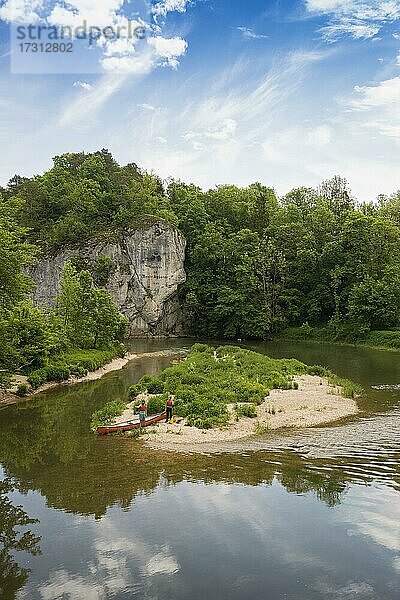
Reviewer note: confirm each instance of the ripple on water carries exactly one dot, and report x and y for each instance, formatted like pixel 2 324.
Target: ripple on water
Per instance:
pixel 387 386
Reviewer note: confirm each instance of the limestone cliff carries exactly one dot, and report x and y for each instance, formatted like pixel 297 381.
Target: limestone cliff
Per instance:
pixel 144 268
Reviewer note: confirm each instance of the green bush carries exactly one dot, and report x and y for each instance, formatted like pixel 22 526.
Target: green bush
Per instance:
pixel 107 414
pixel 37 378
pixel 141 386
pixel 246 410
pixel 22 390
pixel 155 386
pixel 317 370
pixel 201 348
pixel 156 404
pixel 349 389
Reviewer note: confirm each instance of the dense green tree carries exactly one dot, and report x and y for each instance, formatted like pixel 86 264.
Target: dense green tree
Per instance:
pixel 15 256
pixel 254 264
pixel 89 315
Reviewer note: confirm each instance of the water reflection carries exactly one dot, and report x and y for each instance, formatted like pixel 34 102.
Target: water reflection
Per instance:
pixel 222 541
pixel 12 540
pixel 299 515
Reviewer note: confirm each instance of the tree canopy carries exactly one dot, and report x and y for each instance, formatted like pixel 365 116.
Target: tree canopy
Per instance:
pixel 256 263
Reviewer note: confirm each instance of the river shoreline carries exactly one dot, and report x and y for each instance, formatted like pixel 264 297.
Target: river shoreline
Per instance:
pixel 316 402
pixel 315 340
pixel 10 397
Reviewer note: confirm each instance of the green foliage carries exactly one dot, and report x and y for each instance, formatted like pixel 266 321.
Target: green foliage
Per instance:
pixel 255 265
pixel 246 410
pixel 210 378
pixel 349 389
pixel 346 333
pixel 317 370
pixel 156 386
pixel 84 195
pixel 107 414
pixel 90 317
pixel 75 363
pixel 22 390
pixel 102 269
pixel 15 255
pixel 141 386
pixel 156 404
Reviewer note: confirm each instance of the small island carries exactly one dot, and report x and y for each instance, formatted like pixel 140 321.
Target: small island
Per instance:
pixel 229 393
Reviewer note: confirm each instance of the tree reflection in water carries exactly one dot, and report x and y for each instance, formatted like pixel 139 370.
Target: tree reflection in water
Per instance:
pixel 12 576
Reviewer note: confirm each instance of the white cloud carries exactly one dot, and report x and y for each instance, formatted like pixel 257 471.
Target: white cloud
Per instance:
pixel 383 94
pixel 147 106
pixel 86 105
pixel 168 47
pixel 125 53
pixel 83 84
pixel 359 19
pixel 379 107
pixel 160 9
pixel 21 11
pixel 320 136
pixel 251 34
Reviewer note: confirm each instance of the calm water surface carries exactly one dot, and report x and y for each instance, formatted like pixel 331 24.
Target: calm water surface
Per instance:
pixel 306 514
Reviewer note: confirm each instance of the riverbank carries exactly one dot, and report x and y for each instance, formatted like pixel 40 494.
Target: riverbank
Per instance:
pixel 315 402
pixel 375 340
pixel 11 396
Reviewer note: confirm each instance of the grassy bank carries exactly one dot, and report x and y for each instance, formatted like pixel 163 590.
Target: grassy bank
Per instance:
pixel 386 340
pixel 210 379
pixel 75 363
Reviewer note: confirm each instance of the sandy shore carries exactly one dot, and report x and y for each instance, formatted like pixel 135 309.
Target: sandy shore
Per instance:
pixel 316 402
pixel 10 397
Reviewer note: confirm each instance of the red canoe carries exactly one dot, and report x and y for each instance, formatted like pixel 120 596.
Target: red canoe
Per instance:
pixel 128 425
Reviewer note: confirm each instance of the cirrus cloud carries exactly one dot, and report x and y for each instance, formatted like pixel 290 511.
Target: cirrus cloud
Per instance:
pixel 359 19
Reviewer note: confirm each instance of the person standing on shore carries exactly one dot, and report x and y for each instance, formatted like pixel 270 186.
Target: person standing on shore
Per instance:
pixel 169 407
pixel 142 412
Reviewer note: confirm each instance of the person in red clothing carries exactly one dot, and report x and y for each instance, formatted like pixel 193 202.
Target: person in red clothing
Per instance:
pixel 169 407
pixel 142 412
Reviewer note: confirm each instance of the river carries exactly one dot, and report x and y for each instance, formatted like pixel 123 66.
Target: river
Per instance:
pixel 297 515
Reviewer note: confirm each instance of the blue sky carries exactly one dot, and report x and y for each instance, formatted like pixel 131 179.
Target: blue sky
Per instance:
pixel 285 92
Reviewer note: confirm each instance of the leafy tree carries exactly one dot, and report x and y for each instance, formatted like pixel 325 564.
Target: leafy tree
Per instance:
pixel 15 256
pixel 377 303
pixel 89 315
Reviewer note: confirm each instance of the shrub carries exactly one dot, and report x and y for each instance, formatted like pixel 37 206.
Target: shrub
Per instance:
pixel 156 404
pixel 247 410
pixel 317 370
pixel 349 389
pixel 22 390
pixel 37 378
pixel 155 386
pixel 201 348
pixel 107 414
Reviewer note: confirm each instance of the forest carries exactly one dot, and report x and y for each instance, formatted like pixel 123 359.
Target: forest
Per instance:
pixel 316 263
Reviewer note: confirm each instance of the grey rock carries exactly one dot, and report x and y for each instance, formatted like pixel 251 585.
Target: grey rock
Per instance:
pixel 146 270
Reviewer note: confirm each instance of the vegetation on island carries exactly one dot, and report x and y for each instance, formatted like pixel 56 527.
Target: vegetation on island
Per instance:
pixel 256 264
pixel 209 379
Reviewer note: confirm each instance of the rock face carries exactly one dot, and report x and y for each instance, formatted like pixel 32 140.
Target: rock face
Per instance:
pixel 144 268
